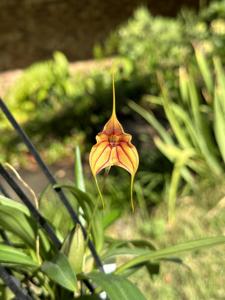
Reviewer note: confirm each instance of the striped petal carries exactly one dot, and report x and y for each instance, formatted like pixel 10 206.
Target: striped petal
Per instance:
pixel 114 148
pixel 113 126
pixel 100 157
pixel 127 157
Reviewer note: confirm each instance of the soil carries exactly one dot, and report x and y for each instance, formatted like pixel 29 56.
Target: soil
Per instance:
pixel 32 30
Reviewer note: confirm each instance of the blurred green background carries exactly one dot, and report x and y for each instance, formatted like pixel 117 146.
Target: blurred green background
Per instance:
pixel 170 90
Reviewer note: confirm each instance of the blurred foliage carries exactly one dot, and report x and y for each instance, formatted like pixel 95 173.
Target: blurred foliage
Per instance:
pixel 174 69
pixel 59 108
pixel 55 106
pixel 147 38
pixel 62 270
pixel 42 86
pixel 195 143
pixel 188 112
pixel 159 43
pixel 198 215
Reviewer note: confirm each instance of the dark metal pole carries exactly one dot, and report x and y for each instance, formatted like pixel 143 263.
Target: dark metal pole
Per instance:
pixel 51 179
pixel 39 218
pixel 13 284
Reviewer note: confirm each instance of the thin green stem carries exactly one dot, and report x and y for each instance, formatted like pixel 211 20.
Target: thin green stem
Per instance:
pixel 90 225
pixel 95 209
pixel 131 193
pixel 99 192
pixel 114 95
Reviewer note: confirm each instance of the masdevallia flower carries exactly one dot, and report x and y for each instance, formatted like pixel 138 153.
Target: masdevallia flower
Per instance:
pixel 114 148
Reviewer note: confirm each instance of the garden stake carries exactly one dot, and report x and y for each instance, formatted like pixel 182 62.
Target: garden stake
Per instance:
pixel 39 218
pixel 14 285
pixel 51 179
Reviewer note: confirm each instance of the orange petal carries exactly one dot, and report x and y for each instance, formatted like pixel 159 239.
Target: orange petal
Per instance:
pixel 113 127
pixel 125 137
pixel 100 157
pixel 114 147
pixel 102 137
pixel 127 157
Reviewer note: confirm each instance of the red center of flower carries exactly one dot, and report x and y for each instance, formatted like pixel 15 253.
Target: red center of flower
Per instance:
pixel 113 140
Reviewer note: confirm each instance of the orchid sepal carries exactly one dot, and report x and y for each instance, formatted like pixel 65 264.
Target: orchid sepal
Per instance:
pixel 114 148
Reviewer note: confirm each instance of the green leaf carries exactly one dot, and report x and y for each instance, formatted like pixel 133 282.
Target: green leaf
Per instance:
pixel 220 78
pixel 173 153
pixel 17 224
pixel 183 84
pixel 205 139
pixel 83 198
pixel 219 107
pixel 184 117
pixel 7 202
pixel 79 176
pixel 74 249
pixel 110 216
pixel 124 251
pixel 129 247
pixel 175 125
pixel 49 204
pixel 11 255
pixel 219 122
pixel 87 204
pixel 60 271
pixel 15 217
pixel 151 119
pixel 116 287
pixel 175 181
pixel 205 70
pixel 173 250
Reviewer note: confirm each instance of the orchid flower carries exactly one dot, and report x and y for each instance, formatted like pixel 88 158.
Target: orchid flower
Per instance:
pixel 114 148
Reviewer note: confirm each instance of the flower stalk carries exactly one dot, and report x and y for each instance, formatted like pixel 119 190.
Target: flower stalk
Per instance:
pixel 114 148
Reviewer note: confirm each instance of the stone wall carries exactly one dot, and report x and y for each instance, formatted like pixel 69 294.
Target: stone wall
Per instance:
pixel 31 30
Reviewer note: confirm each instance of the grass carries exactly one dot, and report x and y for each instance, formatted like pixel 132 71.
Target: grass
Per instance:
pixel 202 274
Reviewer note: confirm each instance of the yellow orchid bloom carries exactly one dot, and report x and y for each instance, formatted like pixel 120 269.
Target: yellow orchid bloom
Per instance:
pixel 114 148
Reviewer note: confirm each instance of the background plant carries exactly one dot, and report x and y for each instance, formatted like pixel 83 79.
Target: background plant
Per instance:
pixel 195 143
pixel 141 46
pixel 58 273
